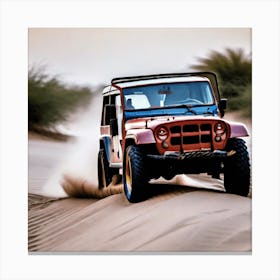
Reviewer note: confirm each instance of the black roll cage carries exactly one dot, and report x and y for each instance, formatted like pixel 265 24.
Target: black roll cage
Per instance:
pixel 210 75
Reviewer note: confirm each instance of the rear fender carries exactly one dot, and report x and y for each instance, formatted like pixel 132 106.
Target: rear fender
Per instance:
pixel 238 130
pixel 105 143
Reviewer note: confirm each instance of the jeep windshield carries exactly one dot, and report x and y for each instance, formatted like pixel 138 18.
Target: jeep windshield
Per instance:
pixel 168 95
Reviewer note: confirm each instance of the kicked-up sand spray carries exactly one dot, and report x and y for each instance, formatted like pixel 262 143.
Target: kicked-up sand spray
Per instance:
pixel 77 174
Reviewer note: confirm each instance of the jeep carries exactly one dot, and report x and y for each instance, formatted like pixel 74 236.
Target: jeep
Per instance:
pixel 167 124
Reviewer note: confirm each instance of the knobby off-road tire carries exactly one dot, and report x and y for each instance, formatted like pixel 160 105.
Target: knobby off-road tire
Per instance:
pixel 104 170
pixel 134 177
pixel 237 168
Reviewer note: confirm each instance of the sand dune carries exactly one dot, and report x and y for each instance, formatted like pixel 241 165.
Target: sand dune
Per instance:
pixel 182 220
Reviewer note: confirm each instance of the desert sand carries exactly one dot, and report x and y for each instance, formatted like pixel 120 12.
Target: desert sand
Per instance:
pixel 187 214
pixel 179 220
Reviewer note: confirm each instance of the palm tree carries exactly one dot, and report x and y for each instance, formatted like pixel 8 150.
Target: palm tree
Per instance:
pixel 233 68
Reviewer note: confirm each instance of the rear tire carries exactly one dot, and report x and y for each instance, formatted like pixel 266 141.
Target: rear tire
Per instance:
pixel 134 177
pixel 104 170
pixel 237 168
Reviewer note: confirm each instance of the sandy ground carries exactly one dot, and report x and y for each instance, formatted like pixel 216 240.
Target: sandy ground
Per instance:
pixel 188 214
pixel 181 220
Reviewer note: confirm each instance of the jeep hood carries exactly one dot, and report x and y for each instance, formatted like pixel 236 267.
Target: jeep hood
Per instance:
pixel 151 123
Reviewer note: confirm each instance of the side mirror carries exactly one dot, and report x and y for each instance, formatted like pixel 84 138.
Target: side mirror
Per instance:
pixel 223 106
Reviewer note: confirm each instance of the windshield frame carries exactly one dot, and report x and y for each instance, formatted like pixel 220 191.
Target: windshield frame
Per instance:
pixel 189 105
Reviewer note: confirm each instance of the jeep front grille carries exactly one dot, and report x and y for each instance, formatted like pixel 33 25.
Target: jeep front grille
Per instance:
pixel 191 136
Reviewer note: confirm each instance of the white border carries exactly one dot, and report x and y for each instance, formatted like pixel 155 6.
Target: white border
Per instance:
pixel 18 16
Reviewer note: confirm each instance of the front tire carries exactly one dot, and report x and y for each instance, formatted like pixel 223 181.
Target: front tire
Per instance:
pixel 237 168
pixel 134 178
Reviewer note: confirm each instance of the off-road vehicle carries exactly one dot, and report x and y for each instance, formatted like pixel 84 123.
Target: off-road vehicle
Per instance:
pixel 169 124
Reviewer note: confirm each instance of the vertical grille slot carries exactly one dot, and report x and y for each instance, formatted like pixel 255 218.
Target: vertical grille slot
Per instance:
pixel 175 129
pixel 205 127
pixel 190 140
pixel 190 128
pixel 175 141
pixel 205 138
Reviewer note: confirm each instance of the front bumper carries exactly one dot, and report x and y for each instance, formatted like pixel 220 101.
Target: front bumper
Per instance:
pixel 194 162
pixel 217 154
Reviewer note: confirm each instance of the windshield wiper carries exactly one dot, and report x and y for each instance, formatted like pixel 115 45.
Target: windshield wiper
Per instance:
pixel 188 107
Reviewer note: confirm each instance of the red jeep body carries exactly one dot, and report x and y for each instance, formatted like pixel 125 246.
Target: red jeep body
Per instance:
pixel 169 124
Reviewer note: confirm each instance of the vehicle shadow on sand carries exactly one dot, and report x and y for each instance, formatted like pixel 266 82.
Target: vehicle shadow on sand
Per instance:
pixel 164 189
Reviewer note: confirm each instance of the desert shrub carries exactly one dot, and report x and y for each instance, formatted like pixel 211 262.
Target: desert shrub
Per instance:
pixel 242 102
pixel 234 71
pixel 50 101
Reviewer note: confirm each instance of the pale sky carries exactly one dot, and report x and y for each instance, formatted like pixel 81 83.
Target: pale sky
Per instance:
pixel 91 56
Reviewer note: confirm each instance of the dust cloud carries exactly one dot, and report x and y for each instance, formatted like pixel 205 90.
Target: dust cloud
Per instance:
pixel 76 175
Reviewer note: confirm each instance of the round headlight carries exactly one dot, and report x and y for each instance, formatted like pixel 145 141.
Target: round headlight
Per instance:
pixel 220 128
pixel 162 133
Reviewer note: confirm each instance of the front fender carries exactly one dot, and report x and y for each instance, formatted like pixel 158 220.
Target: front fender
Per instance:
pixel 141 136
pixel 238 130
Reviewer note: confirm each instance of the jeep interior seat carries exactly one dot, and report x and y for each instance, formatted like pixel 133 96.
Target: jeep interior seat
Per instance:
pixel 128 104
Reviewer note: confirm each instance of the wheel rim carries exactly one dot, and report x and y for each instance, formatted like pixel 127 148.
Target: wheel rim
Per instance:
pixel 128 179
